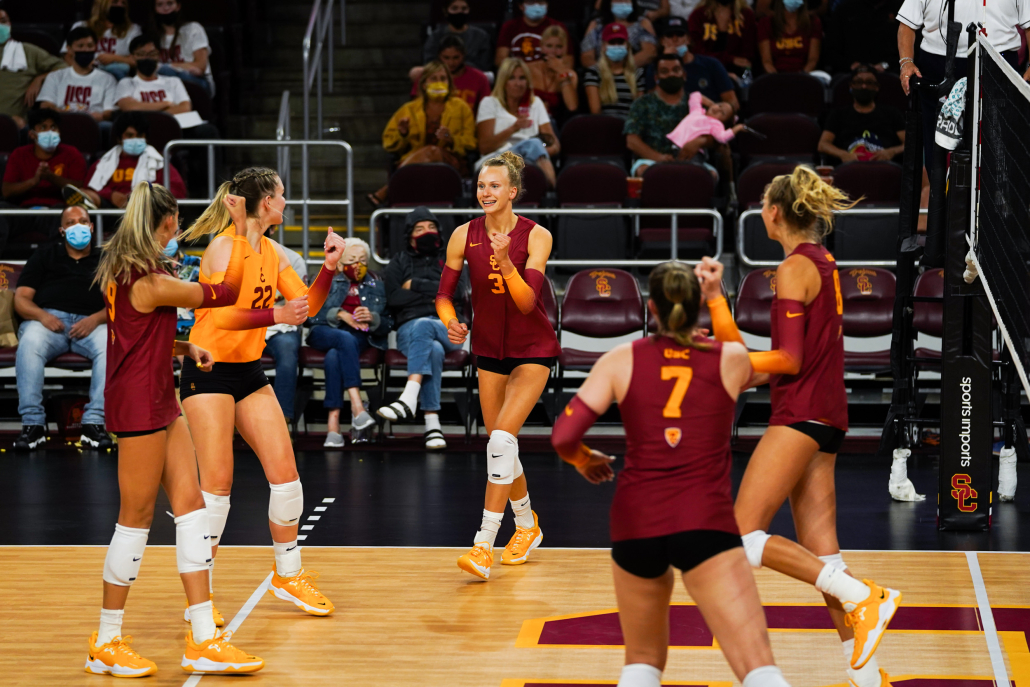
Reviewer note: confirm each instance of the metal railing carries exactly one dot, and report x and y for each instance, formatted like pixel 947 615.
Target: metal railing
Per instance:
pixel 320 31
pixel 99 215
pixel 305 200
pixel 283 160
pixel 717 227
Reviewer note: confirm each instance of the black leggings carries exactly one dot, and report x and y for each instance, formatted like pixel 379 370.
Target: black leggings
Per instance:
pixel 651 557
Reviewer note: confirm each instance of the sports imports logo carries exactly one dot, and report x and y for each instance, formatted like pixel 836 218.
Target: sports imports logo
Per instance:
pixel 963 493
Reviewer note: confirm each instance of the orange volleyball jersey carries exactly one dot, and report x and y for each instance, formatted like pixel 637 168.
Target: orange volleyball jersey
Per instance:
pixel 257 292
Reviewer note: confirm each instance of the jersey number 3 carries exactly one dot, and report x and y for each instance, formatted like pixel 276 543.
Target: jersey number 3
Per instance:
pixel 498 283
pixel 259 292
pixel 682 375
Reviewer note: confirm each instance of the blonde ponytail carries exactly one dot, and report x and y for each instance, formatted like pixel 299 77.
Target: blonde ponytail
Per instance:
pixel 133 245
pixel 808 203
pixel 253 184
pixel 677 297
pixel 213 220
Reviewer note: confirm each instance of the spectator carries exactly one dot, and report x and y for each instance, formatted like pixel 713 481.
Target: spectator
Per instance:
pixel 412 280
pixel 185 50
pixel 81 88
pixel 642 40
pixel 652 9
pixel 725 31
pixel 789 40
pixel 864 130
pixel 282 342
pixel 701 73
pixel 520 37
pixel 470 84
pixel 655 115
pixel 614 82
pixel 556 85
pixel 475 40
pixel 764 8
pixel 23 68
pixel 438 126
pixel 351 320
pixel 110 21
pixel 513 118
pixel 111 177
pixel 863 32
pixel 683 8
pixel 63 311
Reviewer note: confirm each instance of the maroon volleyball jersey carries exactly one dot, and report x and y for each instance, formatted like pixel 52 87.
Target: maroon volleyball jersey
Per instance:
pixel 678 419
pixel 499 329
pixel 817 391
pixel 140 390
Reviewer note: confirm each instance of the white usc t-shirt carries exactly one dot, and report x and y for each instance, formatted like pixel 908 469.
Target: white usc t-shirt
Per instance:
pixel 110 43
pixel 492 108
pixel 160 90
pixel 71 92
pixel 192 37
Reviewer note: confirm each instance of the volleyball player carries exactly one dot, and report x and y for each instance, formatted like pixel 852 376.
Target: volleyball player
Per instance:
pixel 236 393
pixel 514 345
pixel 677 393
pixel 154 446
pixel 795 457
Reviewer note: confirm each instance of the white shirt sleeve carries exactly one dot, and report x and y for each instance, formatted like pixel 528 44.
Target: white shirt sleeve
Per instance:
pixel 538 113
pixel 123 44
pixel 194 38
pixel 1023 8
pixel 126 89
pixel 110 102
pixel 487 109
pixel 48 93
pixel 177 91
pixel 912 13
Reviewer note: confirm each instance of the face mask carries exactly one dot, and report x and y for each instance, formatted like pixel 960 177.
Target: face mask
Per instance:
pixel 172 248
pixel 146 67
pixel 671 84
pixel 134 146
pixel 863 96
pixel 77 236
pixel 793 5
pixel 458 19
pixel 427 244
pixel 615 53
pixel 681 50
pixel 535 12
pixel 169 19
pixel 355 272
pixel 48 140
pixel 725 3
pixel 5 33
pixel 116 15
pixel 84 59
pixel 621 10
pixel 437 91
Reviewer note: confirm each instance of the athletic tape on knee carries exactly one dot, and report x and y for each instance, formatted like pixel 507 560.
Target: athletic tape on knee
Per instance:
pixel 217 514
pixel 192 542
pixel 285 503
pixel 836 560
pixel 754 545
pixel 640 675
pixel 766 676
pixel 501 454
pixel 121 565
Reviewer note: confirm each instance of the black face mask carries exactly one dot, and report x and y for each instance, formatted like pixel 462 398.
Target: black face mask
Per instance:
pixel 725 2
pixel 146 67
pixel 169 19
pixel 671 84
pixel 458 19
pixel 864 96
pixel 84 59
pixel 116 15
pixel 428 244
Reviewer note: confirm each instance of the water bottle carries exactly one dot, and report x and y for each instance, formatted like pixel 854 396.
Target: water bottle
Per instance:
pixel 745 83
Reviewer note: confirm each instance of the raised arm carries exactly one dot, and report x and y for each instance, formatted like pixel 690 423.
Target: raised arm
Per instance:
pixel 709 273
pixel 456 331
pixel 292 287
pixel 524 290
pixel 797 284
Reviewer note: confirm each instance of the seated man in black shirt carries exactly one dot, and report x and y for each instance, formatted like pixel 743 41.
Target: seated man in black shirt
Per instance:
pixel 63 310
pixel 864 131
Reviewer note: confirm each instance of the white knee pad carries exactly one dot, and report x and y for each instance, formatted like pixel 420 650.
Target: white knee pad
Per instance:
pixel 192 542
pixel 836 560
pixel 501 455
pixel 121 566
pixel 640 675
pixel 518 467
pixel 285 503
pixel 217 514
pixel 754 545
pixel 766 676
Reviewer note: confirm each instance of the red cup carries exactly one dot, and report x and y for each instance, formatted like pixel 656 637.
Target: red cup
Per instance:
pixel 523 110
pixel 633 186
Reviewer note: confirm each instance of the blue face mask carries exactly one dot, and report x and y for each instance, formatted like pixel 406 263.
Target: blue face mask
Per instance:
pixel 535 12
pixel 77 236
pixel 48 140
pixel 621 10
pixel 172 248
pixel 681 50
pixel 5 33
pixel 615 53
pixel 134 146
pixel 793 5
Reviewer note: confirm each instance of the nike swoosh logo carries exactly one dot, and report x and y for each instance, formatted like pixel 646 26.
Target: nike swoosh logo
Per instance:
pixel 473 245
pixel 134 559
pixel 794 314
pixel 207 536
pixel 496 456
pixel 883 595
pixel 291 548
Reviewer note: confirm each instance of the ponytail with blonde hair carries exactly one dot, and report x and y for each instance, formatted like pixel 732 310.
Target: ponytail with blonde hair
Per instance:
pixel 807 202
pixel 134 245
pixel 514 163
pixel 254 184
pixel 676 294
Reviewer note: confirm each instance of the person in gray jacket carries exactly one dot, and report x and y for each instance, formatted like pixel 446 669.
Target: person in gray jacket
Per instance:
pixel 352 319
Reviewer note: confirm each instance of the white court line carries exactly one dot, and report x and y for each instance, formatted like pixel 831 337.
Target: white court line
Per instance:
pixel 1001 676
pixel 236 622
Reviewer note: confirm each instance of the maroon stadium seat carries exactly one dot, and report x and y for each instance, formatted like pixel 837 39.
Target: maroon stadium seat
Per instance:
pixel 38 38
pixel 676 185
pixel 591 183
pixel 592 237
pixel 877 182
pixel 534 187
pixel 201 101
pixel 587 136
pixel 787 93
pixel 550 299
pixel 163 128
pixel 82 131
pixel 433 183
pixel 794 136
pixel 868 295
pixel 314 359
pixel 753 180
pixel 891 93
pixel 599 303
pixel 754 299
pixel 10 138
pixel 928 318
pixel 9 274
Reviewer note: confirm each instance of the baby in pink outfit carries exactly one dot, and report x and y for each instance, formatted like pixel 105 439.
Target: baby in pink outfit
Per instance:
pixel 702 122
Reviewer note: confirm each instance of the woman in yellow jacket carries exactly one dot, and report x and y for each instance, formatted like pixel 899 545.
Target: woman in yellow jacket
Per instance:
pixel 438 126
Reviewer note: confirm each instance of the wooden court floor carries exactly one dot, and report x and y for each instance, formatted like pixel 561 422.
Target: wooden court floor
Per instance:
pixel 409 617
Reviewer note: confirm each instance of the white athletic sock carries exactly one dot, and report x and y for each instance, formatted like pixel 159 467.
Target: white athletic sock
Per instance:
pixel 211 577
pixel 202 620
pixel 640 675
pixel 523 512
pixel 836 582
pixel 866 676
pixel 287 558
pixel 410 394
pixel 488 530
pixel 766 676
pixel 432 419
pixel 110 625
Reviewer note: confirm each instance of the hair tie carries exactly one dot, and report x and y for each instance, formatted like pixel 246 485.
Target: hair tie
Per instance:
pixel 150 185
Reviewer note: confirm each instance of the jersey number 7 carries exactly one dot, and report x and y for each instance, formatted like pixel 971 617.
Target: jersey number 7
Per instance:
pixel 682 375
